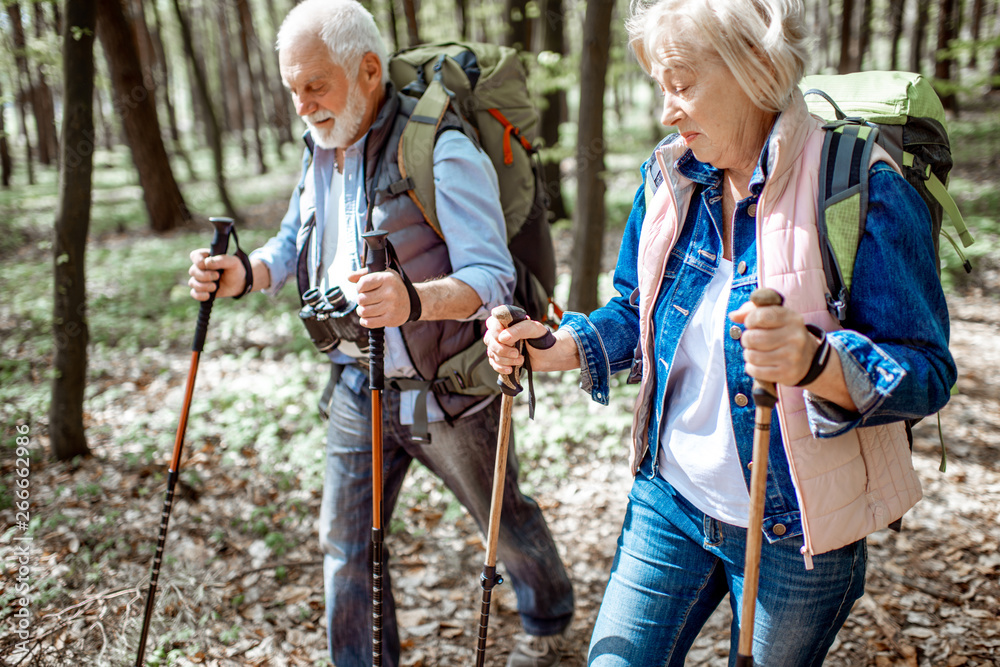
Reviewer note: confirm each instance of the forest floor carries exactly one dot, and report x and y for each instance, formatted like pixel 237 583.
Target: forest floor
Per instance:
pixel 241 583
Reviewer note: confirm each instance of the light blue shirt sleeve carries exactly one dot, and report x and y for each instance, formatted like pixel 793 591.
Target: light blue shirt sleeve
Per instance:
pixel 467 199
pixel 280 252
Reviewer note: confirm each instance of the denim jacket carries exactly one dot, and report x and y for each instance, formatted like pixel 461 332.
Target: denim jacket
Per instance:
pixel 894 348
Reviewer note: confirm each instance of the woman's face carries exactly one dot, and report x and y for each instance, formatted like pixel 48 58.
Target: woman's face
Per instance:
pixel 714 117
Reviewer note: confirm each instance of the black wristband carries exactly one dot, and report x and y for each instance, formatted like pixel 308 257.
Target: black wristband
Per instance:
pixel 248 270
pixel 820 359
pixel 248 285
pixel 415 306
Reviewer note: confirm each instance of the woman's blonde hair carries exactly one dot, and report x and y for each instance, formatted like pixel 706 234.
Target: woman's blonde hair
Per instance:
pixel 764 43
pixel 347 29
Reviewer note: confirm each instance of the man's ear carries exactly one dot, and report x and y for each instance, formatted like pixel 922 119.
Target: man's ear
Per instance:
pixel 370 72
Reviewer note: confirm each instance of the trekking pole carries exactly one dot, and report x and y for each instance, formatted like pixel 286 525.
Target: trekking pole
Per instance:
pixel 509 387
pixel 377 261
pixel 765 395
pixel 220 245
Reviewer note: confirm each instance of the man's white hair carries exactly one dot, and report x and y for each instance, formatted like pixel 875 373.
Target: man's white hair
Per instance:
pixel 347 29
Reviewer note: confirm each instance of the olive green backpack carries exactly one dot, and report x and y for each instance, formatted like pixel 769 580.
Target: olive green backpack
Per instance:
pixel 486 86
pixel 901 112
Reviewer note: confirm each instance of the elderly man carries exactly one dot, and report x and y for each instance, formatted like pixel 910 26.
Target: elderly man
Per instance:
pixel 333 62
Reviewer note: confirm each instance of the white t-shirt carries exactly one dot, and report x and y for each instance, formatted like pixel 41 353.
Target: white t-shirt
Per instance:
pixel 697 453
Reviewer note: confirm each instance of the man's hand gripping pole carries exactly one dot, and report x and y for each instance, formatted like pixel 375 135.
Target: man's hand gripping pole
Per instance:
pixel 220 246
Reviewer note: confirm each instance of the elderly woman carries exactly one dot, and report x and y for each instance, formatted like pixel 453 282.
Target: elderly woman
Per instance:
pixel 734 209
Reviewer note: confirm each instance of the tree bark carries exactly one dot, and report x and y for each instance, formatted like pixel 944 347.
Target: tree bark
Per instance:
pixel 943 66
pixel 40 95
pixel 393 25
pixel 6 164
pixel 45 111
pixel 201 87
pixel 976 29
pixel 231 119
pixel 865 33
pixel 136 106
pixel 248 38
pixel 554 111
pixel 516 32
pixel 847 43
pixel 412 29
pixel 462 18
pixel 919 36
pixel 897 9
pixel 589 219
pixel 23 77
pixel 270 77
pixel 66 431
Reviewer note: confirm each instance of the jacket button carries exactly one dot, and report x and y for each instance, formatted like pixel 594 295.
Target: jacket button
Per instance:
pixel 741 400
pixel 741 268
pixel 734 332
pixel 779 529
pixel 752 210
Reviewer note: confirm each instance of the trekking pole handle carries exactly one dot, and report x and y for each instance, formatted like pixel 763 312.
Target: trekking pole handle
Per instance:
pixel 765 395
pixel 220 246
pixel 377 261
pixel 508 316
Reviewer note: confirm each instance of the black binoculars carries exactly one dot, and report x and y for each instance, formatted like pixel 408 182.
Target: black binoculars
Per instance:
pixel 330 318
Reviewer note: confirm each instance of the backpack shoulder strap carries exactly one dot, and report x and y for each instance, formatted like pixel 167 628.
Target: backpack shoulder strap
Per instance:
pixel 416 148
pixel 842 206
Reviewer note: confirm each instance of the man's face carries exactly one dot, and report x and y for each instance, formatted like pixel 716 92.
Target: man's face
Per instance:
pixel 326 98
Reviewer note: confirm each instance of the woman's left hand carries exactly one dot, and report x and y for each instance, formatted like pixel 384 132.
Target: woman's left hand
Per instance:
pixel 777 347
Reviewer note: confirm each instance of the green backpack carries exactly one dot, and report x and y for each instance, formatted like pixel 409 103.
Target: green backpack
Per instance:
pixel 486 86
pixel 901 113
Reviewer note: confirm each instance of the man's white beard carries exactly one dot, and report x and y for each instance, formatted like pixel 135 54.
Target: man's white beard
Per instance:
pixel 345 124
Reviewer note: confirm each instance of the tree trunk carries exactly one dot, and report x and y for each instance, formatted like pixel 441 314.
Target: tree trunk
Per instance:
pixel 821 21
pixel 23 76
pixel 136 106
pixel 280 118
pixel 942 68
pixel 393 25
pixel 462 16
pixel 412 29
pixel 919 36
pixel 107 131
pixel 6 164
pixel 897 8
pixel 231 119
pixel 589 227
pixel 865 33
pixel 40 95
pixel 516 32
pixel 247 38
pixel 45 112
pixel 553 39
pixel 201 87
pixel 976 28
pixel 69 316
pixel 847 43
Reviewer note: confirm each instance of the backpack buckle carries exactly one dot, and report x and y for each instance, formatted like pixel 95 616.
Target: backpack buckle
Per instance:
pixel 838 306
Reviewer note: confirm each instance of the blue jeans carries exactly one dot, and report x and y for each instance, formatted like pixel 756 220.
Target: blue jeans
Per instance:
pixel 673 567
pixel 463 456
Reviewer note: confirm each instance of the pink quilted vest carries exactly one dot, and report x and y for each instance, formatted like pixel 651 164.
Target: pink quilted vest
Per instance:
pixel 848 486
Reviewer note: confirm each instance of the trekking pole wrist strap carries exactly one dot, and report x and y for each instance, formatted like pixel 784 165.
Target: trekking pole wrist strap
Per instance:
pixel 416 308
pixel 247 268
pixel 820 359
